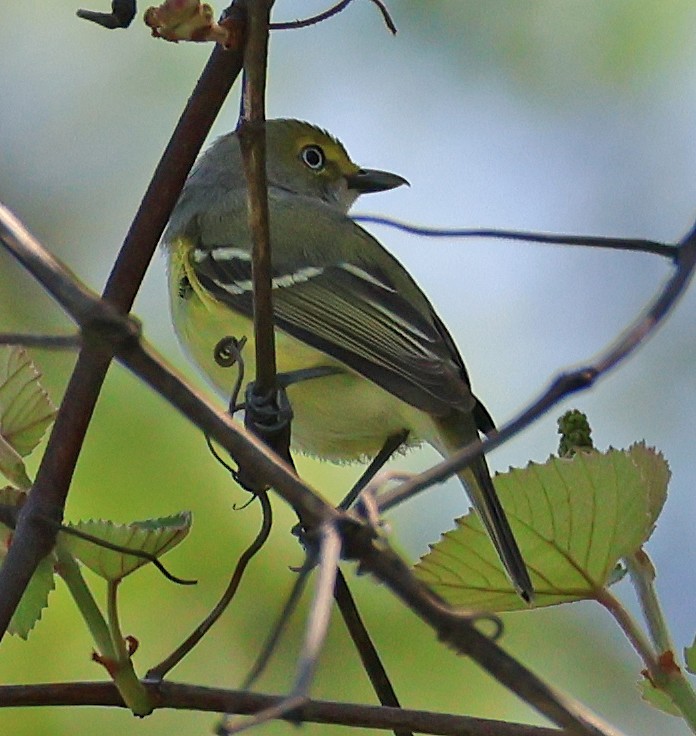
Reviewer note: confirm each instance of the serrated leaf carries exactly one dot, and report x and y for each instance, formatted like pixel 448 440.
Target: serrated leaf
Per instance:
pixel 35 597
pixel 690 657
pixel 573 518
pixel 154 536
pixel 25 412
pixel 657 698
pixel 12 466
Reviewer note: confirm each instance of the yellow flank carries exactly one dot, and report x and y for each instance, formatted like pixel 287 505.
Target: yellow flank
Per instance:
pixel 324 409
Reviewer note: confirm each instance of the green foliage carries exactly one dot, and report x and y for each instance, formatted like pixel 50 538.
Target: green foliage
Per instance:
pixel 657 698
pixel 690 657
pixel 575 433
pixel 25 412
pixel 154 536
pixel 35 597
pixel 574 519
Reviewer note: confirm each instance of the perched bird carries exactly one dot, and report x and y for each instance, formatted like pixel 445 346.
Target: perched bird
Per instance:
pixel 340 301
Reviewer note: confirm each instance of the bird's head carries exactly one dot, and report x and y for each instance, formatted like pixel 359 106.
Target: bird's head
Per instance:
pixel 306 160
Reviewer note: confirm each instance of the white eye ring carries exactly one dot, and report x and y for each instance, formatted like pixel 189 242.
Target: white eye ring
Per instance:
pixel 313 157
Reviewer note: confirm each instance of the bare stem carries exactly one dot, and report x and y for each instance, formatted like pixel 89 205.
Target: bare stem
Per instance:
pixel 183 696
pixel 632 631
pixel 252 140
pixel 667 250
pixel 33 537
pixel 158 672
pixel 565 383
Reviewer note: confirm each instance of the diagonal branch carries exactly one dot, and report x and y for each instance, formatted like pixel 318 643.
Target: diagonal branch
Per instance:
pixel 315 635
pixel 366 649
pixel 33 538
pixel 374 555
pixel 457 630
pixel 564 384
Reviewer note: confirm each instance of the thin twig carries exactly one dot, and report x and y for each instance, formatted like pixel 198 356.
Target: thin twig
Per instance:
pixel 326 14
pixel 668 250
pixel 45 342
pixel 391 445
pixel 273 638
pixel 450 625
pixel 33 540
pixel 369 656
pixel 312 20
pixel 315 635
pixel 565 383
pixel 159 671
pixel 631 630
pixel 182 696
pixel 252 140
pixel 642 574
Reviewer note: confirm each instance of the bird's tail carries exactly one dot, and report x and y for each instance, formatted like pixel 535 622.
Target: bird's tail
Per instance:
pixel 456 432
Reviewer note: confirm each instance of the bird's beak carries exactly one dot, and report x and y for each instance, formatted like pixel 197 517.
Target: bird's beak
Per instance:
pixel 372 180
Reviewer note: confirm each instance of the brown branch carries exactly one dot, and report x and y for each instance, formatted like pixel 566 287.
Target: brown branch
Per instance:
pixel 565 383
pixel 159 671
pixel 33 538
pixel 181 696
pixel 668 250
pixel 252 140
pixel 458 631
pixel 334 10
pixel 453 627
pixel 247 450
pixel 369 656
pixel 374 555
pixel 43 342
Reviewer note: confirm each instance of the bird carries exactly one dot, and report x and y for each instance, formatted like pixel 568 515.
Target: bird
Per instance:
pixel 385 365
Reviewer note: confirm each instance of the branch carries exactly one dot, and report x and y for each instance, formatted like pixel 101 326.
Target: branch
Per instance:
pixel 34 539
pixel 181 696
pixel 453 627
pixel 369 656
pixel 667 250
pixel 565 383
pixel 158 672
pixel 456 629
pixel 45 342
pixel 252 141
pixel 313 20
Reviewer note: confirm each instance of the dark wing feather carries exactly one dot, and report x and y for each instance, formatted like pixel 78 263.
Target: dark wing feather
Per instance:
pixel 354 314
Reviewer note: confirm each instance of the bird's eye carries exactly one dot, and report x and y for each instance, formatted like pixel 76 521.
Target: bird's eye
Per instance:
pixel 313 156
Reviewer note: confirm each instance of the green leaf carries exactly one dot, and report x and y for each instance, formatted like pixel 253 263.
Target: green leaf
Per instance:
pixel 154 536
pixel 25 412
pixel 690 657
pixel 574 519
pixel 658 698
pixel 35 597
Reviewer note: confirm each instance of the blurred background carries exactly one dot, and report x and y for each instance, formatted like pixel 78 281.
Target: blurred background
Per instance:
pixel 574 116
